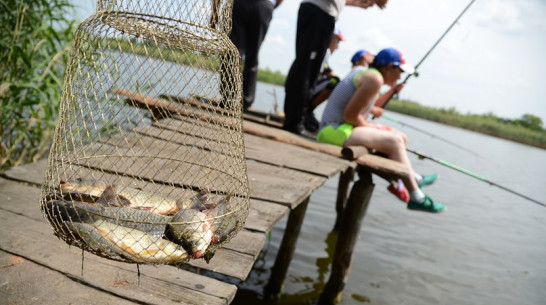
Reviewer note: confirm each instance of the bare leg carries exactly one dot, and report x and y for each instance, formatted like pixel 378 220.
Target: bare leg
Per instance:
pixel 390 143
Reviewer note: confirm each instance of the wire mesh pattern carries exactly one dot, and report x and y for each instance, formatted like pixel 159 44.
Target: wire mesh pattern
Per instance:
pixel 148 162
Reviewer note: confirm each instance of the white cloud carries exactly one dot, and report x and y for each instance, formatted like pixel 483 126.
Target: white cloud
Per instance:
pixel 275 41
pixel 501 15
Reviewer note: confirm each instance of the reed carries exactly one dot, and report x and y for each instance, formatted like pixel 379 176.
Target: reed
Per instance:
pixel 527 130
pixel 34 49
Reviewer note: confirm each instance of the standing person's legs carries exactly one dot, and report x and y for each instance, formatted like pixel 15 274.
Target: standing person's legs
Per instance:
pixel 238 37
pixel 260 17
pixel 314 31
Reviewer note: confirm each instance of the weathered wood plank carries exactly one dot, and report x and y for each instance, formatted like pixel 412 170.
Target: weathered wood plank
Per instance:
pixel 32 238
pixel 267 182
pixel 281 185
pixel 294 157
pixel 256 148
pixel 27 282
pixel 235 258
pixel 353 215
pixel 155 164
pixel 163 108
pixel 383 167
pixel 262 215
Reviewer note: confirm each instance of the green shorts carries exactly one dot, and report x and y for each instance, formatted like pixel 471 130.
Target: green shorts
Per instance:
pixel 336 136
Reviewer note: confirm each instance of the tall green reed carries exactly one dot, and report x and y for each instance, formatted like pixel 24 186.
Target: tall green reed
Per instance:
pixel 34 47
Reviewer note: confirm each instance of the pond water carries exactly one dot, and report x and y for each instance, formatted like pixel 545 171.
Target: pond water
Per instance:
pixel 488 247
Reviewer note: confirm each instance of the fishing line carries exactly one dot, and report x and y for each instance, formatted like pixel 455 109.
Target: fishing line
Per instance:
pixel 387 117
pixel 473 175
pixel 430 50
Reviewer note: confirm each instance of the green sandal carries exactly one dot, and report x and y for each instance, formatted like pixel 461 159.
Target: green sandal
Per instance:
pixel 428 180
pixel 428 205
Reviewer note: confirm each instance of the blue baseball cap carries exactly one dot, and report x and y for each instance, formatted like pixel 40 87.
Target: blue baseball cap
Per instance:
pixel 358 55
pixel 394 57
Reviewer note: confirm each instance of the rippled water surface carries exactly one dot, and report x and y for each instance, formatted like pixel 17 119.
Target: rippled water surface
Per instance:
pixel 489 247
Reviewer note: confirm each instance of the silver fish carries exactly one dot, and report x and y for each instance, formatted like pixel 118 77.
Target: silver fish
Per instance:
pixel 132 244
pixel 112 195
pixel 142 220
pixel 192 229
pixel 225 221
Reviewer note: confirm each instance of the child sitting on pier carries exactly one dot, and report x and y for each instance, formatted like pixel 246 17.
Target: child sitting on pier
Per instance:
pixel 344 121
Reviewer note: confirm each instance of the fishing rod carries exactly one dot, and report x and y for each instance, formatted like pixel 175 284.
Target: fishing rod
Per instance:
pixel 430 50
pixel 387 117
pixel 474 175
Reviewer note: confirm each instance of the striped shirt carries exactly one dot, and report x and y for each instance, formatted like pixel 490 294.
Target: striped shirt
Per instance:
pixel 340 97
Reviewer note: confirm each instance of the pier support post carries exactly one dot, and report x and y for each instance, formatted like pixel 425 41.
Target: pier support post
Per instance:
pixel 286 250
pixel 345 179
pixel 353 215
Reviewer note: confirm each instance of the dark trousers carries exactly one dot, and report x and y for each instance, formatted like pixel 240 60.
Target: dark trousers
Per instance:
pixel 314 32
pixel 251 20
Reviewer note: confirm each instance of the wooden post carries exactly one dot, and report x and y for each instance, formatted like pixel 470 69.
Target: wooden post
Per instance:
pixel 286 250
pixel 345 179
pixel 355 210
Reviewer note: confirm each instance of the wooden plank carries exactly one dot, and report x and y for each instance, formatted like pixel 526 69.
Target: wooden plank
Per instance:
pixel 281 185
pixel 286 250
pixel 30 172
pixel 294 157
pixel 353 152
pixel 289 138
pixel 262 215
pixel 235 258
pixel 163 107
pixel 256 148
pixel 351 224
pixel 31 237
pixel 155 164
pixel 26 282
pixel 386 168
pixel 267 182
pixel 383 167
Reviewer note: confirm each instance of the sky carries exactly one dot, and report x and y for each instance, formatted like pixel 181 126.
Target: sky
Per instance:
pixel 492 60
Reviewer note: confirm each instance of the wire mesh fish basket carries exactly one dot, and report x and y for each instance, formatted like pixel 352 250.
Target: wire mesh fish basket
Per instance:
pixel 148 163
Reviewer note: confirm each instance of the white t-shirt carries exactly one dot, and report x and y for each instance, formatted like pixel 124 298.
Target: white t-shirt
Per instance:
pixel 330 7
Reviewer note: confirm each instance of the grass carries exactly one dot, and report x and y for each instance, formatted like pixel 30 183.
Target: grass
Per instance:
pixel 517 130
pixel 34 50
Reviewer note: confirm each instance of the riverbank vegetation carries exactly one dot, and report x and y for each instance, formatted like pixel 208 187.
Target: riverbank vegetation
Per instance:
pixel 33 53
pixel 527 130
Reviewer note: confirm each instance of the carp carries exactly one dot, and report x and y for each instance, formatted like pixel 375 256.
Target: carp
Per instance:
pixel 192 229
pixel 199 201
pixel 112 195
pixel 225 220
pixel 75 211
pixel 135 245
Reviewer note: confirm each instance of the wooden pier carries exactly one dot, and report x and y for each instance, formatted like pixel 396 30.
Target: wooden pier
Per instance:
pixel 283 171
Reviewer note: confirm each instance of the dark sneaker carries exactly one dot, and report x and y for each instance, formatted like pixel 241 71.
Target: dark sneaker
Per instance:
pixel 428 180
pixel 310 122
pixel 398 190
pixel 428 205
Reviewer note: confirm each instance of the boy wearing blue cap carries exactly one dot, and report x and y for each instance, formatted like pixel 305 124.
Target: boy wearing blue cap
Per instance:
pixel 344 121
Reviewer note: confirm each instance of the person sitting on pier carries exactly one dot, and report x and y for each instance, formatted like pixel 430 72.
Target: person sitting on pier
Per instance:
pixel 344 121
